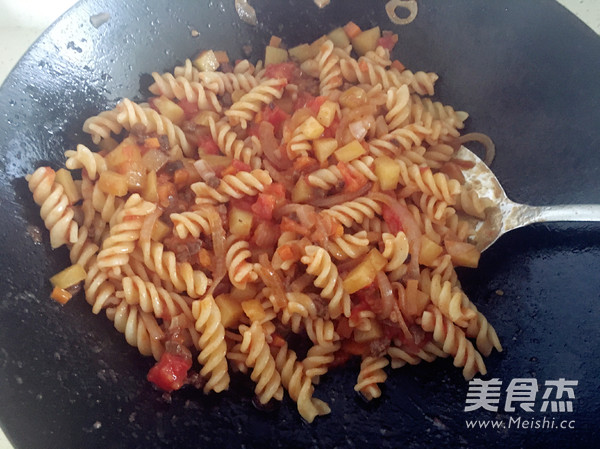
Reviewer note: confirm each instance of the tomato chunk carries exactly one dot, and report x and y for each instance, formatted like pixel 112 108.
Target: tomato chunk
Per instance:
pixel 207 143
pixel 283 70
pixel 392 220
pixel 274 115
pixel 190 109
pixel 170 372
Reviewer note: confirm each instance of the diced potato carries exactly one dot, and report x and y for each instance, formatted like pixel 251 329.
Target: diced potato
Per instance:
pixel 64 178
pixel 324 147
pixel 60 295
pixel 170 109
pixel 123 154
pixel 326 113
pixel 463 254
pixel 415 299
pixel 240 222
pixel 387 171
pixel 350 151
pixel 311 128
pixel 154 159
pixel 231 310
pixel 301 53
pixel 376 259
pixel 365 273
pixel 242 294
pixel 360 277
pixel 366 41
pixel 159 231
pixel 302 191
pixel 68 277
pixel 372 334
pixel 150 191
pixel 316 45
pixel 353 97
pixel 339 38
pixel 202 117
pixel 206 61
pixel 274 55
pixel 216 161
pixel 253 309
pixel 113 183
pixel 429 251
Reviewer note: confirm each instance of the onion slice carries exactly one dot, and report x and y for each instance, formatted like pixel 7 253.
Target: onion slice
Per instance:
pixel 485 140
pixel 410 228
pixel 218 239
pixel 333 200
pixel 246 12
pixel 411 5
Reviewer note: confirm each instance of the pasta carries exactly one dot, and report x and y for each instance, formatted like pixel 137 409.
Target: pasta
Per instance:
pixel 319 197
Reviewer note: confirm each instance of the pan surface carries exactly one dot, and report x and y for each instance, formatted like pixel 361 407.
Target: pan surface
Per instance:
pixel 527 72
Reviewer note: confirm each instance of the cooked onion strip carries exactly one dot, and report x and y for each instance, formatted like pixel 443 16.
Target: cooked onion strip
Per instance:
pixel 246 12
pixel 485 140
pixel 411 5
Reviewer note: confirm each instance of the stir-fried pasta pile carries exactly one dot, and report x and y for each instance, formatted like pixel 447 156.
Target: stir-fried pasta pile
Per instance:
pixel 276 219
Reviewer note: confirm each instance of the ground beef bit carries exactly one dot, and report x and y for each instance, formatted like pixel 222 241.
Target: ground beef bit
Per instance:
pixel 163 140
pixel 379 347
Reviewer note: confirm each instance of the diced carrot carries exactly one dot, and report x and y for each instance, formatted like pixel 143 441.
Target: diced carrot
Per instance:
pixel 398 65
pixel 151 142
pixel 231 170
pixel 221 57
pixel 204 257
pixel 305 162
pixel 165 192
pixel 285 252
pixel 60 295
pixel 354 348
pixel 181 177
pixel 343 328
pixel 352 30
pixel 275 41
pixel 278 341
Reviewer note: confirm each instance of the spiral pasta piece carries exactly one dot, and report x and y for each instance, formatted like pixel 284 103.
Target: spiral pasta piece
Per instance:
pixel 184 89
pixel 348 245
pixel 100 126
pixel 318 358
pixel 354 211
pixel 130 114
pixel 298 385
pixel 228 142
pixel 483 332
pixel 264 369
pixel 395 249
pixel 154 299
pixel 240 270
pixel 190 223
pixel 252 102
pixel 237 186
pixel 318 263
pixel 213 348
pixel 93 163
pixel 180 274
pixel 330 75
pixel 141 330
pixel 124 233
pixel 453 341
pixel 435 184
pixel 55 208
pixel 451 302
pixel 221 83
pixel 398 106
pixel 371 374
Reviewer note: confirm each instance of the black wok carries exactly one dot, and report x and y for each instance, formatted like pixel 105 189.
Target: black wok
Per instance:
pixel 527 72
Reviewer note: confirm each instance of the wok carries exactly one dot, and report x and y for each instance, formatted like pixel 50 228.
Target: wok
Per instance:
pixel 527 72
